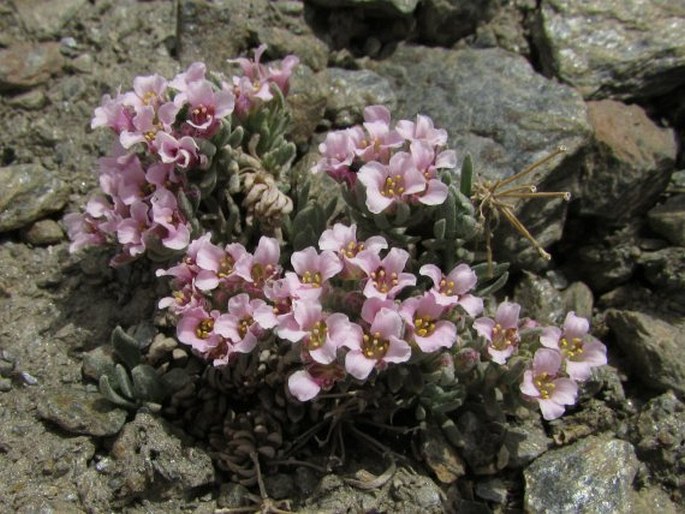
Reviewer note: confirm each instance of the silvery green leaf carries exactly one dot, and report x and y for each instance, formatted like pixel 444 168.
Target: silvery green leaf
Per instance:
pixel 146 384
pixel 124 381
pixel 126 347
pixel 439 228
pixel 110 394
pixel 236 137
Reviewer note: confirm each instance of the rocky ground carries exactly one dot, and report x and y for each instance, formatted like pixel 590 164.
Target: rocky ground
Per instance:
pixel 510 81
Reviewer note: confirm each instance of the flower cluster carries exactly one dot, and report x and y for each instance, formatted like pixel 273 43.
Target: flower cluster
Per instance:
pixel 165 130
pixel 395 164
pixel 227 299
pixel 565 358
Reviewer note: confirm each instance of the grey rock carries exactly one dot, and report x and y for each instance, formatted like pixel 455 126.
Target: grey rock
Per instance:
pixel 5 384
pixel 307 101
pixel 30 101
pixel 541 300
pixel 45 18
pixel 526 443
pixel 592 475
pixel 653 347
pixel 349 91
pixel 516 120
pixel 214 32
pixel 383 6
pixel 668 219
pixel 494 490
pixel 81 412
pixel 24 65
pixel 443 22
pixel 607 264
pixel 84 63
pixel 282 41
pixel 630 163
pixel 279 486
pixel 29 192
pixel 43 233
pixel 665 268
pixel 153 460
pixel 612 47
pixel 97 362
pixel 654 499
pixel 660 439
pixel 578 298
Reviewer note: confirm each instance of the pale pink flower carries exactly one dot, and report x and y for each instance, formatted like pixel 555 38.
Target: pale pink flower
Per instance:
pixel 207 107
pixel 502 333
pixel 195 73
pixel 380 139
pixel 262 267
pixel 197 329
pixel 375 348
pixel 581 351
pixel 422 130
pixel 322 334
pixel 131 231
pixel 387 184
pixel 183 299
pixel 342 240
pixel 422 317
pixel 246 322
pixel 114 114
pixel 543 384
pixel 187 269
pixel 427 163
pixel 453 288
pixel 182 152
pixel 168 216
pixel 307 383
pixel 312 271
pixel 337 155
pixel 217 265
pixel 83 231
pixel 386 277
pixel 148 90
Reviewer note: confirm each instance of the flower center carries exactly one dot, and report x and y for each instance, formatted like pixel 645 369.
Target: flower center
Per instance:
pixel 393 186
pixel 260 273
pixel 384 281
pixel 373 347
pixel 244 326
pixel 225 266
pixel 204 328
pixel 351 249
pixel 543 383
pixel 149 97
pixel 572 348
pixel 503 337
pixel 424 326
pixel 201 115
pixel 446 287
pixel 314 279
pixel 317 335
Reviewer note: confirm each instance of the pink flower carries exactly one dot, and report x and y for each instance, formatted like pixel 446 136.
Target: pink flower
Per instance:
pixel 187 269
pixel 381 138
pixel 396 182
pixel 246 322
pixel 427 163
pixel 382 344
pixel 181 152
pixel 543 384
pixel 422 130
pixel 195 73
pixel 581 351
pixel 321 334
pixel 197 329
pixel 385 277
pixel 217 265
pixel 342 240
pixel 306 384
pixel 131 231
pixel 337 155
pixel 262 267
pixel 207 106
pixel 422 317
pixel 453 288
pixel 312 270
pixel 166 213
pixel 502 333
pixel 114 114
pixel 83 231
pixel 149 90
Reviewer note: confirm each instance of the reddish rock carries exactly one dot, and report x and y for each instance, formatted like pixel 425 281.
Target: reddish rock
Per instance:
pixel 27 65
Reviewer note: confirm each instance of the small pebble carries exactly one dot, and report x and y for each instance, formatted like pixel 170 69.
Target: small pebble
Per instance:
pixel 5 384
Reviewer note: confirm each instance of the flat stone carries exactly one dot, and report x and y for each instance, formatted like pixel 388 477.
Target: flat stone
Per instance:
pixel 630 162
pixel 653 347
pixel 526 443
pixel 30 101
pixel 45 18
pixel 81 412
pixel 350 91
pixel 665 268
pixel 578 298
pixel 26 65
pixel 29 192
pixel 444 22
pixel 43 233
pixel 612 47
pixel 592 475
pixel 668 219
pixel 152 459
